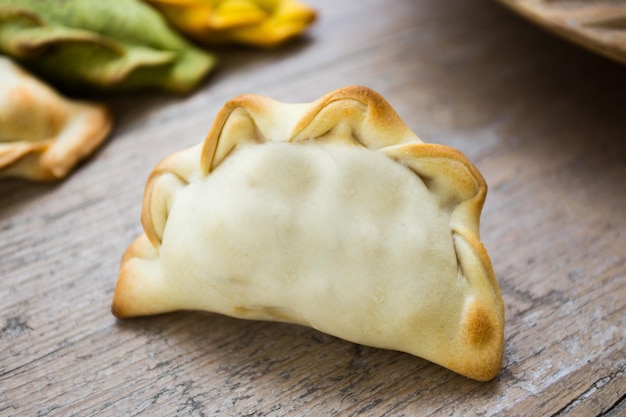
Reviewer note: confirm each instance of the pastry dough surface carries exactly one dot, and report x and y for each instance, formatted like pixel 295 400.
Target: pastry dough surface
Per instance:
pixel 329 234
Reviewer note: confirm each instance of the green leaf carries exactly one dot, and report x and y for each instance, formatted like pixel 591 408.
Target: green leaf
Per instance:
pixel 113 44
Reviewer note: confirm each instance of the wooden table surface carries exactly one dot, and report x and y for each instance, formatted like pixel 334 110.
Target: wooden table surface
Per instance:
pixel 545 122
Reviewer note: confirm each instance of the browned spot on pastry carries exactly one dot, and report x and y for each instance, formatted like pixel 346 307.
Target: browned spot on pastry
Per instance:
pixel 240 311
pixel 479 328
pixel 117 310
pixel 269 313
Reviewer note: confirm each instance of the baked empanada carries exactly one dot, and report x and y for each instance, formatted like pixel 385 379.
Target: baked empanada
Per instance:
pixel 330 214
pixel 101 45
pixel 43 135
pixel 261 23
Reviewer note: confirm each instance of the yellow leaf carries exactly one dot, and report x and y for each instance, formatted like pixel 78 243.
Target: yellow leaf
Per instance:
pixel 262 23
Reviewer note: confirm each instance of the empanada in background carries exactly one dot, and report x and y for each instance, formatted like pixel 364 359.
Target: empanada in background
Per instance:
pixel 330 214
pixel 110 45
pixel 43 135
pixel 259 23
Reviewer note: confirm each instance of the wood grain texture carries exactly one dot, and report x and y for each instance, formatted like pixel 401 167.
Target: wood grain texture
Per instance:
pixel 598 25
pixel 543 121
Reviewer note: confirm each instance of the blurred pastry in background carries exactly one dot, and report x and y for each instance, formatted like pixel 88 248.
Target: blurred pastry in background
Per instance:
pixel 259 23
pixel 81 45
pixel 43 135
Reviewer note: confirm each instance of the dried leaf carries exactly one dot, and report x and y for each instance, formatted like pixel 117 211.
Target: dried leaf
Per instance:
pixel 116 44
pixel 263 23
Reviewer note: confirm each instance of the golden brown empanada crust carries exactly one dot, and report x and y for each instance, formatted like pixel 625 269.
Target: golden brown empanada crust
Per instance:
pixel 463 330
pixel 43 135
